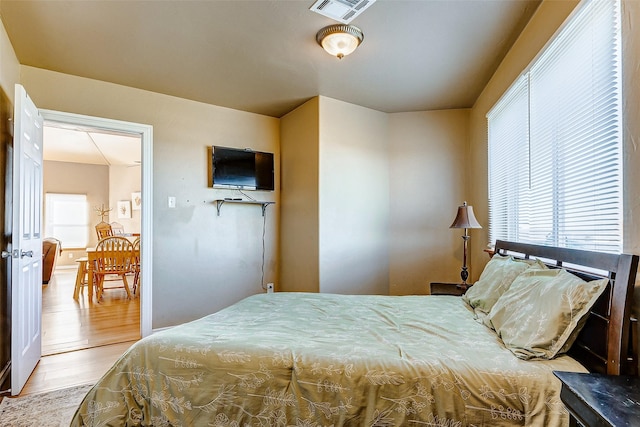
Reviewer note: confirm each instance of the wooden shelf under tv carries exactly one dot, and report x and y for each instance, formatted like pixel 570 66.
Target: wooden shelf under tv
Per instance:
pixel 220 202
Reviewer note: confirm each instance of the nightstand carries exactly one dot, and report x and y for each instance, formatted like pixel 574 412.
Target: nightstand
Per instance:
pixel 600 400
pixel 440 288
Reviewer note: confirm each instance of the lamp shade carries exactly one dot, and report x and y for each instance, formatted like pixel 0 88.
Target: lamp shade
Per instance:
pixel 339 40
pixel 465 218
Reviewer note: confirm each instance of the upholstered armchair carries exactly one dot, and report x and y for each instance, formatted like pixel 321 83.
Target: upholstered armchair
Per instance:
pixel 51 247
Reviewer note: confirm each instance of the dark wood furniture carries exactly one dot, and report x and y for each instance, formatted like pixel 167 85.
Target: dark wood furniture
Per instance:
pixel 607 343
pixel 51 248
pixel 441 288
pixel 600 400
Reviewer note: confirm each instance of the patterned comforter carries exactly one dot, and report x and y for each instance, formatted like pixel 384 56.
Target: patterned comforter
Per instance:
pixel 298 359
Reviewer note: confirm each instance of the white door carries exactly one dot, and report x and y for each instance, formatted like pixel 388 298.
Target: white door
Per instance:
pixel 26 249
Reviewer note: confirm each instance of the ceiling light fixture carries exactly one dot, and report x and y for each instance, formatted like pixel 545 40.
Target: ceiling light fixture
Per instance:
pixel 339 40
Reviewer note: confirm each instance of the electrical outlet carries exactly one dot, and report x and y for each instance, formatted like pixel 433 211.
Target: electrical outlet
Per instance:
pixel 270 288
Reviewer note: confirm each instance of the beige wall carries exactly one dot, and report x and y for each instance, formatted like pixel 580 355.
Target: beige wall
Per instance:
pixel 9 65
pixel 354 199
pixel 335 199
pixel 202 262
pixel 631 111
pixel 299 210
pixel 124 180
pixel 76 178
pixel 427 180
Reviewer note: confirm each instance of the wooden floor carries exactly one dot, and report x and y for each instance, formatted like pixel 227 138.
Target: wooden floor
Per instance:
pixel 81 339
pixel 69 325
pixel 73 368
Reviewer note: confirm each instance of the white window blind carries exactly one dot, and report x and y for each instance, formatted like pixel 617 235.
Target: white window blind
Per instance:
pixel 508 163
pixel 555 140
pixel 67 219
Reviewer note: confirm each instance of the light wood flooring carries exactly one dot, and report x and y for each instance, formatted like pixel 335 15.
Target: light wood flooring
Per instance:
pixel 73 368
pixel 81 339
pixel 69 325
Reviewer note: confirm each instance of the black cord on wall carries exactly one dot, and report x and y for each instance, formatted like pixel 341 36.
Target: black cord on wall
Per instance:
pixel 264 229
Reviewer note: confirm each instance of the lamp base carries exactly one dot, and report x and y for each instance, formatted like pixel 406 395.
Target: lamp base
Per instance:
pixel 464 274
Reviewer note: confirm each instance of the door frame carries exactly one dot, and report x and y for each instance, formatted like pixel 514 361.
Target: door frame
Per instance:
pixel 146 226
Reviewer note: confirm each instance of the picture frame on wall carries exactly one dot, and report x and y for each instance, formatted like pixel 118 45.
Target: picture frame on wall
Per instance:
pixel 136 201
pixel 124 209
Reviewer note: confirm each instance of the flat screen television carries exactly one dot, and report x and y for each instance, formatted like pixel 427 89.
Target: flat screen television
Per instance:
pixel 242 169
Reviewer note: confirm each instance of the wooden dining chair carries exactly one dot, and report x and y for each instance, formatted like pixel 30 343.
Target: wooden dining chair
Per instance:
pixel 113 256
pixel 135 259
pixel 82 280
pixel 103 229
pixel 117 229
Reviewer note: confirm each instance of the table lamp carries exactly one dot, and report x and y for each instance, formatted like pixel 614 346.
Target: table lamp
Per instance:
pixel 465 219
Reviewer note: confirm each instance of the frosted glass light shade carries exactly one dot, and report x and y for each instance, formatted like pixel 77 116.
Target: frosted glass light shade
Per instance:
pixel 339 40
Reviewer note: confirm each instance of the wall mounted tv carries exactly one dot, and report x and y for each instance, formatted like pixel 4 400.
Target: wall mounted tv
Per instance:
pixel 243 169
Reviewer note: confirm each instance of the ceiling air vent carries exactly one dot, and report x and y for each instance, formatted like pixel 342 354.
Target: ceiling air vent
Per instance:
pixel 341 10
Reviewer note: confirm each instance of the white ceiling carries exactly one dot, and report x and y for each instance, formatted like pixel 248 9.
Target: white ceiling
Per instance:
pixel 65 143
pixel 261 55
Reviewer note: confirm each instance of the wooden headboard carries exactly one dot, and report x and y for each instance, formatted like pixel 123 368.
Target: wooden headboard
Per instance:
pixel 608 341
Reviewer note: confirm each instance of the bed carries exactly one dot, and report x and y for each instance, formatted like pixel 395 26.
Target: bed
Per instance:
pixel 304 359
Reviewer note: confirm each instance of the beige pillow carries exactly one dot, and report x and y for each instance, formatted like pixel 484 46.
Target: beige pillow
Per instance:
pixel 495 279
pixel 540 314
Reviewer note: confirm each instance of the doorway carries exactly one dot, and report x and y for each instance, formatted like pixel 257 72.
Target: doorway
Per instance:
pixel 143 133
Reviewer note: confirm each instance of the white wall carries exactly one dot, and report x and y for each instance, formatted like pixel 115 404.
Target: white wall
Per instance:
pixel 354 199
pixel 428 179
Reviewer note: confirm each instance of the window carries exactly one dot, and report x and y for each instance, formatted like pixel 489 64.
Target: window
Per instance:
pixel 67 219
pixel 555 140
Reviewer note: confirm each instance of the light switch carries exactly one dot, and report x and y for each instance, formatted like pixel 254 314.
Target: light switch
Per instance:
pixel 171 202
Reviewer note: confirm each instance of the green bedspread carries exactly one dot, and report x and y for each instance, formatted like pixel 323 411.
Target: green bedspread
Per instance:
pixel 298 359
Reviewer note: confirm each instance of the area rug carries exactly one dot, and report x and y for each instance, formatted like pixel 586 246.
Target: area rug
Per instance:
pixel 51 409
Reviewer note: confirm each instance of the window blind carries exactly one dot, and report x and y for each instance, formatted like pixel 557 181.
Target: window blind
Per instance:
pixel 561 141
pixel 508 163
pixel 67 219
